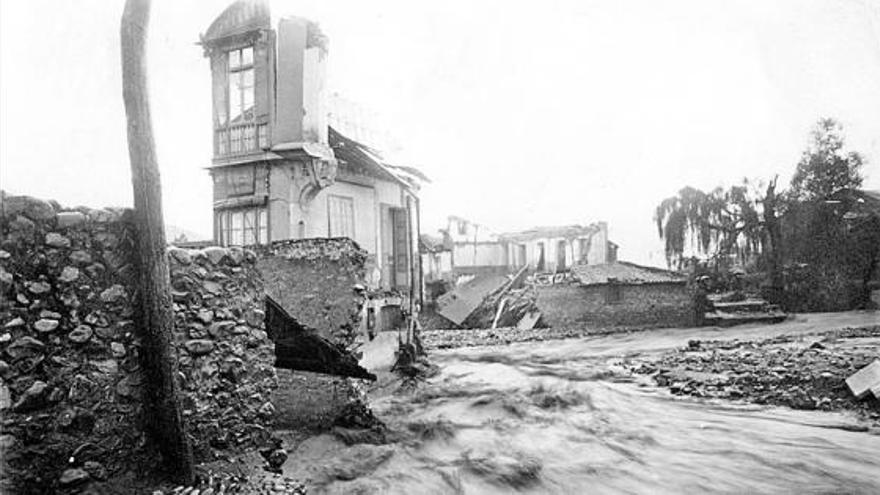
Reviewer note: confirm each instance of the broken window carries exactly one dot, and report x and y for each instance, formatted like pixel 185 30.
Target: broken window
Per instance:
pixel 340 216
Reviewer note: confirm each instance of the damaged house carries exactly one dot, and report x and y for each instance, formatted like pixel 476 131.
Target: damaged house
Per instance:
pixel 477 250
pixel 280 171
pixel 618 294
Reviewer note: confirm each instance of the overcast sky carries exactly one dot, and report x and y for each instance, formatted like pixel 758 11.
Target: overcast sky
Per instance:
pixel 523 113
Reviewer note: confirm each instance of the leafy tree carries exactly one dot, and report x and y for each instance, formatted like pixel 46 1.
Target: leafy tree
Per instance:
pixel 719 223
pixel 825 166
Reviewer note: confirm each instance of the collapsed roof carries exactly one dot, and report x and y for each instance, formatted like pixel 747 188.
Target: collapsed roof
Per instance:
pixel 348 150
pixel 565 231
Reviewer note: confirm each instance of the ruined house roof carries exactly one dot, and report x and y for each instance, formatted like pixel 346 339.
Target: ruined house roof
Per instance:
pixel 241 17
pixel 566 231
pixel 370 160
pixel 624 273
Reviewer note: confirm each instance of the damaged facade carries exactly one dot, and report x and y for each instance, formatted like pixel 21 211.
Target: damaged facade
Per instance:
pixel 280 171
pixel 475 249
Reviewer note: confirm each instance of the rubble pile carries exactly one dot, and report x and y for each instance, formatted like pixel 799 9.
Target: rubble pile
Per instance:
pixel 517 304
pixel 450 339
pixel 801 372
pixel 314 280
pixel 225 356
pixel 71 379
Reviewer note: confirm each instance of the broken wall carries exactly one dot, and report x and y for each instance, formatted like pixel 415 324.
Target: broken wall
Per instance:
pixel 646 305
pixel 71 385
pixel 314 281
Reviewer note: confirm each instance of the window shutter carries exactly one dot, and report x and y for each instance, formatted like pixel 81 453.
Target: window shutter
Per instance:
pixel 218 72
pixel 262 61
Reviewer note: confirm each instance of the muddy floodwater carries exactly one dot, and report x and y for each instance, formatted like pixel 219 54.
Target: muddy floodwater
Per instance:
pixel 567 417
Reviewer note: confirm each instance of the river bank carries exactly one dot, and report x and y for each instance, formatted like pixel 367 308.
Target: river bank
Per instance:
pixel 805 371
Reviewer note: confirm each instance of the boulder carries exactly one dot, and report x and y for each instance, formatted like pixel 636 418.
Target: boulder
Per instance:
pixel 26 346
pixel 198 347
pixel 45 325
pixel 73 477
pixel 67 219
pixel 113 294
pixel 80 334
pixel 69 274
pixel 57 240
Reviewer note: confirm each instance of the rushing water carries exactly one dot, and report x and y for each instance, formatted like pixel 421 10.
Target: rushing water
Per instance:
pixel 564 417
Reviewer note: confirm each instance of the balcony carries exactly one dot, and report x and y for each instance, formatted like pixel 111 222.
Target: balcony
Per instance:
pixel 240 139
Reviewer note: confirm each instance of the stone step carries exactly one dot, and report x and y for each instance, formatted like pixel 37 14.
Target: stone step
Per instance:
pixel 747 305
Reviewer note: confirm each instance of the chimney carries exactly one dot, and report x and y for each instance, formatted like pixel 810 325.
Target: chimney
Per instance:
pixel 301 107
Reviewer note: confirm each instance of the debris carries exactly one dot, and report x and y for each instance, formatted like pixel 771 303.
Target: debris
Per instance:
pixel 298 347
pixel 529 320
pixel 865 380
pixel 458 304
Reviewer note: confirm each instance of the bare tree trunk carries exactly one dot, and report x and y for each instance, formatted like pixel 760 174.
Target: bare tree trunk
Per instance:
pixel 156 318
pixel 774 231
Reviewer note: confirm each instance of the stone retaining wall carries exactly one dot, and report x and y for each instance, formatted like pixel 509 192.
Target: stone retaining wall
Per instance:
pixel 71 386
pixel 645 305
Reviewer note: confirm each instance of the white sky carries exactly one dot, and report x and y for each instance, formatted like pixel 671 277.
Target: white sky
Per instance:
pixel 523 113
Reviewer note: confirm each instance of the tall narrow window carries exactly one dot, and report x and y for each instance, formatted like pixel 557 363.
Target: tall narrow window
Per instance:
pixel 249 230
pixel 263 226
pixel 235 232
pixel 241 86
pixel 340 211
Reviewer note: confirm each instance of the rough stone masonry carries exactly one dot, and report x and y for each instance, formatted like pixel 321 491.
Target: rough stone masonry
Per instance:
pixel 70 373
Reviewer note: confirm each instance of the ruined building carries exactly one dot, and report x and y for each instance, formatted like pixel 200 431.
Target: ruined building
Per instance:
pixel 279 170
pixel 476 249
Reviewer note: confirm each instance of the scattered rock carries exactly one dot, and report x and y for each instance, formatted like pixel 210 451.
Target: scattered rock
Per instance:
pixel 206 316
pixel 69 274
pixel 198 347
pixel 52 315
pixel 182 256
pixel 80 257
pixel 15 322
pixel 25 347
pixel 73 477
pixel 39 287
pixel 32 398
pixel 117 349
pixel 215 254
pixel 57 240
pixel 44 325
pixel 113 294
pixel 6 337
pixel 67 219
pixel 80 334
